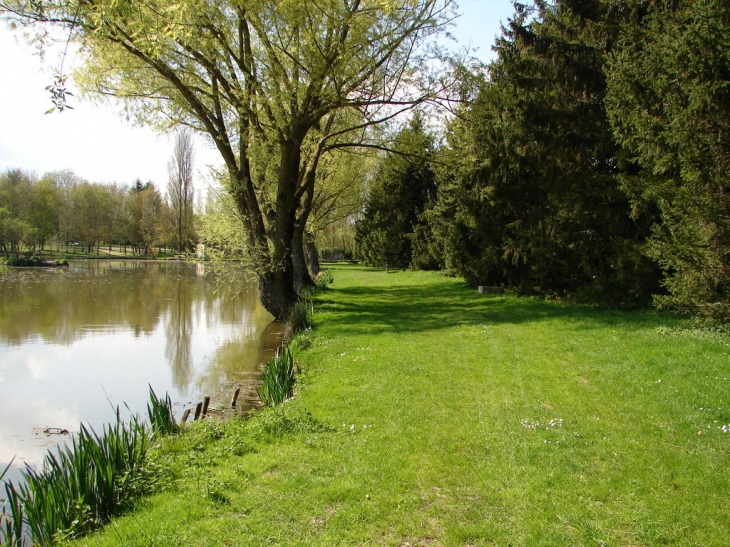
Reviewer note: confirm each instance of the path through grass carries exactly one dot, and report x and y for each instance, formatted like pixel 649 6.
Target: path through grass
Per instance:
pixel 443 417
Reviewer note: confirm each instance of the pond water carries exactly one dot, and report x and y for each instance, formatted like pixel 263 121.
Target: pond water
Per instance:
pixel 76 342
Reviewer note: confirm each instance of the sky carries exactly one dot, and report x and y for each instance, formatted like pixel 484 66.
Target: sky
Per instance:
pixel 97 144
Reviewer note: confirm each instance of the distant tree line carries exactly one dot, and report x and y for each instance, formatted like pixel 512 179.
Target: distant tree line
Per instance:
pixel 61 209
pixel 589 160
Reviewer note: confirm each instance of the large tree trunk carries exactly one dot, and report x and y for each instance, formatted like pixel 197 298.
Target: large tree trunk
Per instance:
pixel 312 257
pixel 274 264
pixel 302 279
pixel 276 290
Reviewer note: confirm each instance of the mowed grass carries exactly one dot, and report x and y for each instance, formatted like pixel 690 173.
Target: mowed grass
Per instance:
pixel 428 414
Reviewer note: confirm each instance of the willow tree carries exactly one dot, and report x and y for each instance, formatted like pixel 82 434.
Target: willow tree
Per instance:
pixel 258 76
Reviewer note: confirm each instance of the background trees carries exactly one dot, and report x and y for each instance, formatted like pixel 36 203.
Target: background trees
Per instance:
pixel 402 185
pixel 61 209
pixel 145 213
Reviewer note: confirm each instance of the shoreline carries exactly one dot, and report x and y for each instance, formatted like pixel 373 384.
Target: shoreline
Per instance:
pixel 428 414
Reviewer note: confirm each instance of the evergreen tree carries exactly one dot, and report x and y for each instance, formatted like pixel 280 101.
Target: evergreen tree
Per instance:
pixel 669 102
pixel 403 184
pixel 535 201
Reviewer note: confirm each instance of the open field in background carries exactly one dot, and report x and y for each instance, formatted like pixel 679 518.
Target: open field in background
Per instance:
pixel 428 414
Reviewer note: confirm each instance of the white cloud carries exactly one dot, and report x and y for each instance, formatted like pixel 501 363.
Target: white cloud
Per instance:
pixel 38 367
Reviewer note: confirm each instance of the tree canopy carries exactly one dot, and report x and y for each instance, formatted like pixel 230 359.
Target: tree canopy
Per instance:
pixel 402 185
pixel 533 198
pixel 272 82
pixel 669 104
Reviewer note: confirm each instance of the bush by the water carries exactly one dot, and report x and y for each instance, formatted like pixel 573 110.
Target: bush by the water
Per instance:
pixel 33 262
pixel 277 380
pixel 81 485
pixel 24 262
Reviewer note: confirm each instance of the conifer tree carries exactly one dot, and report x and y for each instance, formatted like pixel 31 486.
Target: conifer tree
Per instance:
pixel 535 201
pixel 403 184
pixel 669 104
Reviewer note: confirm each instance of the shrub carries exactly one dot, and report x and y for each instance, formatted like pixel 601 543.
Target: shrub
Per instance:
pixel 24 262
pixel 324 278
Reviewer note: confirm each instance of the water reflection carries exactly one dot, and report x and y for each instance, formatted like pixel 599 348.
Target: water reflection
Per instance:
pixel 74 340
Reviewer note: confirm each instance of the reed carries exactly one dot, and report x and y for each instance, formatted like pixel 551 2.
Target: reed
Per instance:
pixel 300 316
pixel 277 379
pixel 10 534
pixel 160 414
pixel 82 484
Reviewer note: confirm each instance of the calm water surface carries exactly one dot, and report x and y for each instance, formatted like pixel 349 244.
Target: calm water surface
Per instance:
pixel 75 342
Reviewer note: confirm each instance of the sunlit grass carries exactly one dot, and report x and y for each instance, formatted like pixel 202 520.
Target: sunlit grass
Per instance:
pixel 438 416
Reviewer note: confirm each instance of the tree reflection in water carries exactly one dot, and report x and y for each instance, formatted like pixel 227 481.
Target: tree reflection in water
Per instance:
pixel 70 337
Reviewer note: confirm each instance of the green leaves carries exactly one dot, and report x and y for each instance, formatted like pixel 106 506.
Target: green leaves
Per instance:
pixel 668 103
pixel 403 185
pixel 533 199
pixel 59 93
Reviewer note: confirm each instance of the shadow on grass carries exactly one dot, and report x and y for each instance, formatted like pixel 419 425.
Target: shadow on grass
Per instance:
pixel 417 308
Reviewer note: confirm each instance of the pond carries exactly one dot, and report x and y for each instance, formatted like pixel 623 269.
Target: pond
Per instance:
pixel 77 342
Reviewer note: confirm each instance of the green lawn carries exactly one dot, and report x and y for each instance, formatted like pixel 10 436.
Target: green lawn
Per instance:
pixel 443 417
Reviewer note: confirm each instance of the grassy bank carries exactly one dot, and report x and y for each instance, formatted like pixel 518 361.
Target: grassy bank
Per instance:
pixel 428 414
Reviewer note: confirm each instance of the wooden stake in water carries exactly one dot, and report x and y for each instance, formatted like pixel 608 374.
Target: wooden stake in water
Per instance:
pixel 198 409
pixel 185 415
pixel 235 397
pixel 206 402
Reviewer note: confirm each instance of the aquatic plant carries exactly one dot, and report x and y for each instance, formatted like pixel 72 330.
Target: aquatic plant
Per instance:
pixel 7 468
pixel 82 484
pixel 10 533
pixel 160 414
pixel 300 316
pixel 277 379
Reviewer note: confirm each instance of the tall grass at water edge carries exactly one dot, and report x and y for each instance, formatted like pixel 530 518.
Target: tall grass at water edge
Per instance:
pixel 81 485
pixel 300 316
pixel 277 379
